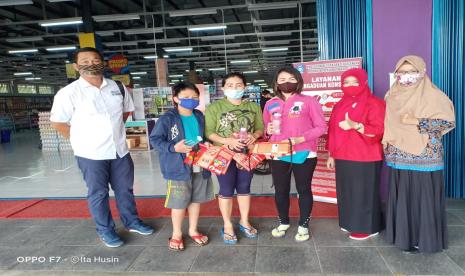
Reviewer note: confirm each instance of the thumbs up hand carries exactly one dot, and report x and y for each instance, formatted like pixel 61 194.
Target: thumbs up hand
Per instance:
pixel 348 124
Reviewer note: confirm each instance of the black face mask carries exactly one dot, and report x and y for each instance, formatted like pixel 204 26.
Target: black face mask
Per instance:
pixel 93 70
pixel 288 87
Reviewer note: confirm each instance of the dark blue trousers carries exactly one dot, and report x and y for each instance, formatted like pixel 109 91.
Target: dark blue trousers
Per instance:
pixel 119 173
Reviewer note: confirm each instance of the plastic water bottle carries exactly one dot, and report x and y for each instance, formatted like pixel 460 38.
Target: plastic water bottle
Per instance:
pixel 243 135
pixel 276 123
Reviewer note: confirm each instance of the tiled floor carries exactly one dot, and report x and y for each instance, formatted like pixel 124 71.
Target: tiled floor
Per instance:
pixel 71 246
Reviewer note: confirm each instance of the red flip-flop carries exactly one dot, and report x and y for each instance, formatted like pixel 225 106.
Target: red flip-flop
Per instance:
pixel 199 237
pixel 177 243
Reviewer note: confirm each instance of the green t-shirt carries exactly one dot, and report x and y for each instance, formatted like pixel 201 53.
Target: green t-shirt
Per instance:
pixel 224 118
pixel 191 127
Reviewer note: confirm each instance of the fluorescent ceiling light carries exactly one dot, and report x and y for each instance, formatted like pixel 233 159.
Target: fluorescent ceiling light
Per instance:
pixel 283 21
pixel 175 76
pixel 61 22
pixel 276 49
pixel 221 46
pixel 143 31
pixel 196 70
pixel 166 56
pixel 217 37
pixel 167 41
pixel 19 51
pixel 61 48
pixel 232 51
pixel 120 43
pixel 216 69
pixel 178 49
pixel 23 74
pixel 207 27
pixel 280 33
pixel 259 80
pixel 192 12
pixel 250 72
pixel 5 3
pixel 138 73
pixel 136 78
pixel 240 61
pixel 105 33
pixel 116 17
pixel 184 54
pixel 28 79
pixel 151 57
pixel 25 39
pixel 272 6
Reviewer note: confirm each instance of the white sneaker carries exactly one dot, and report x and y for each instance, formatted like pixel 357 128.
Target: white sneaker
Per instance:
pixel 302 234
pixel 280 231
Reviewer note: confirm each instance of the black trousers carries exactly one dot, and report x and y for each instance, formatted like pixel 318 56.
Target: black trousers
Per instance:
pixel 303 174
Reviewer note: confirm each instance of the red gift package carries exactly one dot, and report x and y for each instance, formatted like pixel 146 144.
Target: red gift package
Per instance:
pixel 193 157
pixel 249 161
pixel 215 159
pixel 220 163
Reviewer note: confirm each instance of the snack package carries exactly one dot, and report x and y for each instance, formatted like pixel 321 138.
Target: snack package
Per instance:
pixel 249 161
pixel 220 163
pixel 207 157
pixel 193 156
pixel 272 149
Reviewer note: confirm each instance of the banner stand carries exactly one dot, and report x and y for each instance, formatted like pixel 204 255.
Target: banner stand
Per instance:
pixel 322 80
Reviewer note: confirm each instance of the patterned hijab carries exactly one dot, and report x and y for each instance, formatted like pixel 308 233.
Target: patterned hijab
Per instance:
pixel 423 99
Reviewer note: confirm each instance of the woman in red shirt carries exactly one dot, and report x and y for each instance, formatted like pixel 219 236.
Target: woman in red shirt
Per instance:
pixel 355 131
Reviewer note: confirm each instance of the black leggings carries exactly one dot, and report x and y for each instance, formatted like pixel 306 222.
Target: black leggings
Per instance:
pixel 303 174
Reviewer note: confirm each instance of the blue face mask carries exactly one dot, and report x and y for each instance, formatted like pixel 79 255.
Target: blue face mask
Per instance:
pixel 189 103
pixel 234 94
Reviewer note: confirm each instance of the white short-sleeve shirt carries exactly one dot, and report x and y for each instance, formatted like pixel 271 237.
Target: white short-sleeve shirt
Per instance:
pixel 96 118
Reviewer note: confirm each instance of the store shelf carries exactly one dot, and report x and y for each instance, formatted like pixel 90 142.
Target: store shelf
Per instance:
pixel 137 133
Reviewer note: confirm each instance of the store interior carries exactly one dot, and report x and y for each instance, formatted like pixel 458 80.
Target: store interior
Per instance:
pixel 149 45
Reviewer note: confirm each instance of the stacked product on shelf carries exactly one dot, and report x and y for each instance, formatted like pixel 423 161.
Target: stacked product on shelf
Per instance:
pixel 217 93
pixel 157 100
pixel 48 135
pixel 23 110
pixel 64 144
pixel 51 140
pixel 252 93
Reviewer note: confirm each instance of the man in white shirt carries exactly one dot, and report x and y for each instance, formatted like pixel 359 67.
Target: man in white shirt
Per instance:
pixel 91 112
